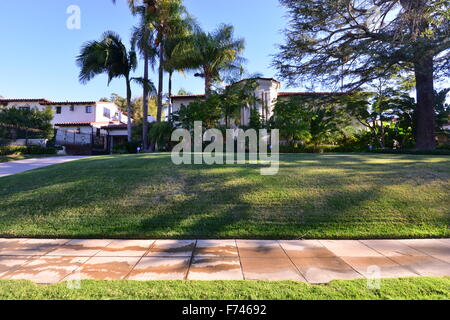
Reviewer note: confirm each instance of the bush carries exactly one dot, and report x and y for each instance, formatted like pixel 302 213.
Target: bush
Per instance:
pixel 159 134
pixel 8 150
pixel 78 150
pixel 41 150
pixel 21 150
pixel 127 147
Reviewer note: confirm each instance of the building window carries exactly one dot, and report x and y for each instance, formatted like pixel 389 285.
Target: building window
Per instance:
pixel 58 110
pixel 107 113
pixel 72 108
pixel 24 108
pixel 89 109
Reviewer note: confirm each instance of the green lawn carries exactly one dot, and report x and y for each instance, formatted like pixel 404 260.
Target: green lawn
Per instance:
pixel 407 288
pixel 313 196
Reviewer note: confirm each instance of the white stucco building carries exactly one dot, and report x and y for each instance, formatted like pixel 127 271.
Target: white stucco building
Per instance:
pixel 267 92
pixel 75 122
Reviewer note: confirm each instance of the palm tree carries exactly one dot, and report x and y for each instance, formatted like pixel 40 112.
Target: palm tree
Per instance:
pixel 110 56
pixel 143 37
pixel 175 56
pixel 165 17
pixel 216 54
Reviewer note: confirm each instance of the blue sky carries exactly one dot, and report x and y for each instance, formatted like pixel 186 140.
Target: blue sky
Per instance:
pixel 38 51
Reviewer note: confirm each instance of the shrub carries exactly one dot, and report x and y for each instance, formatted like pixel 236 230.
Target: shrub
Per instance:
pixel 21 150
pixel 8 150
pixel 127 147
pixel 41 150
pixel 78 150
pixel 160 134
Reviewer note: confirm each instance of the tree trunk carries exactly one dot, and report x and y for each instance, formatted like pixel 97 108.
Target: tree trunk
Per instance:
pixel 382 137
pixel 145 104
pixel 208 85
pixel 170 96
pixel 129 109
pixel 160 79
pixel 425 119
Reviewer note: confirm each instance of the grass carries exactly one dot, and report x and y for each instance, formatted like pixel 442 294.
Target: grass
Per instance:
pixel 339 196
pixel 398 289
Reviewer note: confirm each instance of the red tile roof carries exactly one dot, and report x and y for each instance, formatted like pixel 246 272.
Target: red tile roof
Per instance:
pixel 74 124
pixel 280 94
pixel 122 126
pixel 24 100
pixel 80 124
pixel 70 103
pixel 44 101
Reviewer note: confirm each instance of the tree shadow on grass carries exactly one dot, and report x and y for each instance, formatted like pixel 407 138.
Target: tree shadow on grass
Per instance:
pixel 149 197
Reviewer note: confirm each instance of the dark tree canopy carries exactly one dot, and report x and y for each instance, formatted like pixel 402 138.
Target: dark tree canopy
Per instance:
pixel 356 41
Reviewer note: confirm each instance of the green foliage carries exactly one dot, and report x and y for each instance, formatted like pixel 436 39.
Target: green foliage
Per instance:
pixel 208 111
pixel 22 150
pixel 236 96
pixel 127 147
pixel 32 122
pixel 256 121
pixel 111 57
pixel 388 115
pixel 222 104
pixel 160 134
pixel 309 121
pixel 442 109
pixel 217 55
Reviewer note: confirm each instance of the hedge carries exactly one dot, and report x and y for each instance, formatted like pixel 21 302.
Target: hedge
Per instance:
pixel 20 150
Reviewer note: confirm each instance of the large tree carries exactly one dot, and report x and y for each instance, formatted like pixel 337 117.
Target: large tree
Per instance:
pixel 357 41
pixel 165 18
pixel 110 56
pixel 143 37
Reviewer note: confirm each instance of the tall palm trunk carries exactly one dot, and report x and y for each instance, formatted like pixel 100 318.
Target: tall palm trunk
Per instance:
pixel 170 95
pixel 208 85
pixel 145 92
pixel 160 79
pixel 425 119
pixel 145 104
pixel 127 78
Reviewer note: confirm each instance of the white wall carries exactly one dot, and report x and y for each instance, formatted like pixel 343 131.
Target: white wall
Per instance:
pixel 268 89
pixel 78 114
pixel 115 113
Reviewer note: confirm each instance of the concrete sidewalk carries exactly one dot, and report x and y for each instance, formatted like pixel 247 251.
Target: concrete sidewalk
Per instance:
pixel 313 261
pixel 13 167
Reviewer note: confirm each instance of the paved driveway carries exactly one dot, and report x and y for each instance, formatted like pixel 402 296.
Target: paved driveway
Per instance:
pixel 13 167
